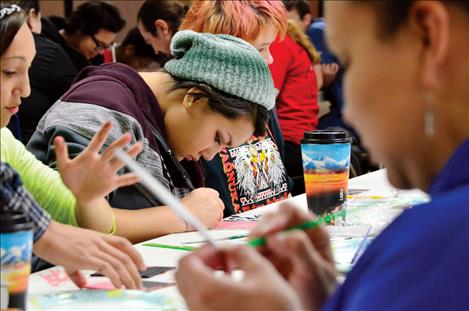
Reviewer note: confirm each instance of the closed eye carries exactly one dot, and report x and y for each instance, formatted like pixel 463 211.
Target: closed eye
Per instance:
pixel 217 138
pixel 9 73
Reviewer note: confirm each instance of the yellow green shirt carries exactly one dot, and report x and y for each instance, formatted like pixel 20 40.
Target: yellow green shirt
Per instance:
pixel 44 183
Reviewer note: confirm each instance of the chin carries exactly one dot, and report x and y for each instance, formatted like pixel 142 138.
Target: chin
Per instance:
pixel 4 121
pixel 397 178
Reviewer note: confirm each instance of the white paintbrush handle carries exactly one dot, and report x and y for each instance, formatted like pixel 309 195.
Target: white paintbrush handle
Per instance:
pixel 164 195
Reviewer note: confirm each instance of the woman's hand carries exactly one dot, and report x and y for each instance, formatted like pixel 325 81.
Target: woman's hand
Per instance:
pixel 206 205
pixel 91 175
pixel 304 259
pixel 262 288
pixel 76 248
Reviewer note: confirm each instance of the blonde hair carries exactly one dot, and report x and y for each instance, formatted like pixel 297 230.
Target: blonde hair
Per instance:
pixel 294 31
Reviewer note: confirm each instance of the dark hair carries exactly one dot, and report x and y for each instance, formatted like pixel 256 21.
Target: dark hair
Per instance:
pixel 141 48
pixel 9 27
pixel 392 14
pixel 28 5
pixel 92 16
pixel 170 11
pixel 228 105
pixel 301 6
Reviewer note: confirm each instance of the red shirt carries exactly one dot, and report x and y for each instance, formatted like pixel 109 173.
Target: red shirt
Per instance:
pixel 295 78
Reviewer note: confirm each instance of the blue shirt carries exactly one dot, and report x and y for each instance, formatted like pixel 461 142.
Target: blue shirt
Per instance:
pixel 421 261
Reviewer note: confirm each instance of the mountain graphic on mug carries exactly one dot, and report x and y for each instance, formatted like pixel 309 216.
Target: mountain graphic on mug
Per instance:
pixel 325 164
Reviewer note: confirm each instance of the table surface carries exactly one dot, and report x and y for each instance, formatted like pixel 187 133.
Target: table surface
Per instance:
pixel 383 203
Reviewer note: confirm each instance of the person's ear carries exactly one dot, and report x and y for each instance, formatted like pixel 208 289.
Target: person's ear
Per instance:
pixel 162 28
pixel 30 18
pixel 431 21
pixel 192 101
pixel 307 19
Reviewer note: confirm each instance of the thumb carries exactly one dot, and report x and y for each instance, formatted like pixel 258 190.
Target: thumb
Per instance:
pixel 246 258
pixel 294 245
pixel 61 152
pixel 77 277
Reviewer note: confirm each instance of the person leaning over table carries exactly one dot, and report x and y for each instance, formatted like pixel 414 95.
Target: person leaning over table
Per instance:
pixel 418 74
pixel 81 200
pixel 253 174
pixel 73 248
pixel 214 93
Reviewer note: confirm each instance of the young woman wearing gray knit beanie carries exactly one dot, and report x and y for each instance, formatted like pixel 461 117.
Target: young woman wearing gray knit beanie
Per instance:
pixel 214 93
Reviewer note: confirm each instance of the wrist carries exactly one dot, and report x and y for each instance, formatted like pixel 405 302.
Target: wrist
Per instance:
pixel 88 201
pixel 41 246
pixel 96 215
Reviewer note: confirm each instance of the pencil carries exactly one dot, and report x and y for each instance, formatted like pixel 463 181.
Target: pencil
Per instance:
pixel 181 248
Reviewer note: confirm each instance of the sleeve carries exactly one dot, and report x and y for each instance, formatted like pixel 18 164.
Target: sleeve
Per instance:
pixel 17 199
pixel 279 68
pixel 77 123
pixel 44 183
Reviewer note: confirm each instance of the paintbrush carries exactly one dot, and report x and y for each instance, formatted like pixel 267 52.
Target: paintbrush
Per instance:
pixel 360 247
pixel 311 224
pixel 164 195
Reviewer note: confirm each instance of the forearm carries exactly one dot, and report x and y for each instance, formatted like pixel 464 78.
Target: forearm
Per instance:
pixel 97 215
pixel 319 77
pixel 144 224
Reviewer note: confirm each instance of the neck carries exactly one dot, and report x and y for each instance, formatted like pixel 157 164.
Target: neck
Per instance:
pixel 160 84
pixel 434 155
pixel 71 39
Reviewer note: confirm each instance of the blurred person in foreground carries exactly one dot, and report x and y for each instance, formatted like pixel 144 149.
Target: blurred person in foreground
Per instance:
pixel 417 74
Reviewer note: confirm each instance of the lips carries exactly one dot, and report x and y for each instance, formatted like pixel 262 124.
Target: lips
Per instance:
pixel 190 158
pixel 13 110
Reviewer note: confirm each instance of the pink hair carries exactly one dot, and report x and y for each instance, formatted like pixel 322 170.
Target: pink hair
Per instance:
pixel 243 19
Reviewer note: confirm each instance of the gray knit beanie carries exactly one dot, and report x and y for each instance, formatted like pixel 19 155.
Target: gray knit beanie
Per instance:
pixel 225 63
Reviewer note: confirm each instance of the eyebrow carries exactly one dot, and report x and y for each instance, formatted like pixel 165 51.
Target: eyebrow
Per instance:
pixel 16 57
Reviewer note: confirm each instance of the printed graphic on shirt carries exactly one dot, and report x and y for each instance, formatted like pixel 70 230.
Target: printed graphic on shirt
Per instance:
pixel 255 173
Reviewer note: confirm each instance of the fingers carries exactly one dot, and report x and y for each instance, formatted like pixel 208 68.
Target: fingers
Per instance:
pixel 195 281
pixel 61 152
pixel 132 152
pixel 220 204
pixel 288 216
pixel 99 138
pixel 121 265
pixel 208 191
pixel 77 277
pixel 247 258
pixel 126 180
pixel 104 267
pixel 212 257
pixel 119 143
pixel 285 217
pixel 127 248
pixel 293 244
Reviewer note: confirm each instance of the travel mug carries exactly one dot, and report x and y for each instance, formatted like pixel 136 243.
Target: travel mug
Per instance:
pixel 16 242
pixel 326 163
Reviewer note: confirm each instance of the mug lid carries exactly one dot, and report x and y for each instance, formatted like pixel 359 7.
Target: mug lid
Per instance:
pixel 327 136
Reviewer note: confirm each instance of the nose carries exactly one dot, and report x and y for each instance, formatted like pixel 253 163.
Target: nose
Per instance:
pixel 23 89
pixel 209 153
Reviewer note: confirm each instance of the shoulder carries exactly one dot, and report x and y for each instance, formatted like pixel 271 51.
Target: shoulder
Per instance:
pixel 8 142
pixel 419 258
